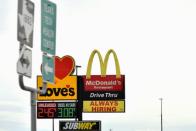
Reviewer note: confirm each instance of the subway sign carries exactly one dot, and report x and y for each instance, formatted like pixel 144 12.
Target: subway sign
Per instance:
pixel 65 89
pixel 51 110
pixel 101 106
pixel 80 126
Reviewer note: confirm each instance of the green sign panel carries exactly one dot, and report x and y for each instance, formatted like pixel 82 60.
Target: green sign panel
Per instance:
pixel 48 69
pixel 48 27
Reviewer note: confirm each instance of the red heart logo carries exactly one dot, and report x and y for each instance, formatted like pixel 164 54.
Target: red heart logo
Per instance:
pixel 64 66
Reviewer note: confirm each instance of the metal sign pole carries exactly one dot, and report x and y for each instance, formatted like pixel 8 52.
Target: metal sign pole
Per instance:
pixel 53 124
pixel 33 92
pixel 161 99
pixel 33 111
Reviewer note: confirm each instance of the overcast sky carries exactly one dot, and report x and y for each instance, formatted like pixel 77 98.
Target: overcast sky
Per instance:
pixel 155 41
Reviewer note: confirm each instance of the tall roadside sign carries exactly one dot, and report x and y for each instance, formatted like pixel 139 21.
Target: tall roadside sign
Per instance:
pixel 103 93
pixel 25 36
pixel 48 39
pixel 25 22
pixel 48 27
pixel 25 18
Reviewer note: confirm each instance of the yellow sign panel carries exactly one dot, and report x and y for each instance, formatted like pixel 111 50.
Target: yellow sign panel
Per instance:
pixel 65 89
pixel 104 106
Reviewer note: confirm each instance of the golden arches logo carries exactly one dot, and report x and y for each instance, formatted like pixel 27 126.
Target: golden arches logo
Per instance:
pixel 103 63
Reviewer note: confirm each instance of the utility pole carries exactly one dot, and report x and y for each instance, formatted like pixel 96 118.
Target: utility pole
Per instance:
pixel 161 99
pixel 80 101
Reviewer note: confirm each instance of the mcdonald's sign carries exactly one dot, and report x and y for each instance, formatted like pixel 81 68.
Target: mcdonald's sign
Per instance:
pixel 102 87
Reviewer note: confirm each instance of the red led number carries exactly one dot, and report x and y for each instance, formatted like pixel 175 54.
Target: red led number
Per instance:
pixel 40 112
pixel 50 112
pixel 46 112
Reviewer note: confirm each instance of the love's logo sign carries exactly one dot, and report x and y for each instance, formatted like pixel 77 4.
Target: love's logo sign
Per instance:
pixel 64 66
pixel 65 86
pixel 65 89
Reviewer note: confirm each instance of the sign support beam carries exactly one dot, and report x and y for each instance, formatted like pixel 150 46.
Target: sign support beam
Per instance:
pixel 33 92
pixel 80 101
pixel 33 111
pixel 26 88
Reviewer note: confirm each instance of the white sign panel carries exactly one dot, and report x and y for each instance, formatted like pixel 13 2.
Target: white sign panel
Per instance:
pixel 25 22
pixel 24 64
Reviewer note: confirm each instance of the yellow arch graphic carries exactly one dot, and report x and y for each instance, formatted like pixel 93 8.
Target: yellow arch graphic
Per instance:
pixel 89 67
pixel 103 64
pixel 111 51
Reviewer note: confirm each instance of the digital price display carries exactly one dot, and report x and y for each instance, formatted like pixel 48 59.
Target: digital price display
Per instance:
pixel 50 110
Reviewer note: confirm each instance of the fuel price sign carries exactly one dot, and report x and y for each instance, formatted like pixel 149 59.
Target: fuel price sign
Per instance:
pixel 51 110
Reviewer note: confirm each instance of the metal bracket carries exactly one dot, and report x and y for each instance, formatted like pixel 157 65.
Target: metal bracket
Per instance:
pixel 26 88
